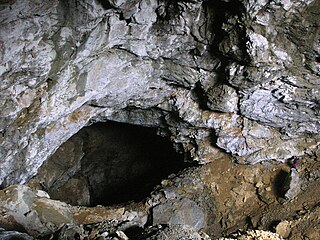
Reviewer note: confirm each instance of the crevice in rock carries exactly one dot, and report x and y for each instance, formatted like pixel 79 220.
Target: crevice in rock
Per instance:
pixel 278 183
pixel 233 34
pixel 229 34
pixel 109 163
pixel 199 95
pixel 105 4
pixel 168 10
pixel 223 12
pixel 122 18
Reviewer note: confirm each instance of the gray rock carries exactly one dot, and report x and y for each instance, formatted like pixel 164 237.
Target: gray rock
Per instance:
pixel 177 203
pixel 38 216
pixel 9 235
pixel 180 212
pixel 223 98
pixel 173 232
pixel 292 185
pixel 106 230
pixel 69 232
pixel 236 76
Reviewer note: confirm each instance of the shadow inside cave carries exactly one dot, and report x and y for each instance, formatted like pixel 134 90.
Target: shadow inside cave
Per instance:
pixel 278 184
pixel 110 163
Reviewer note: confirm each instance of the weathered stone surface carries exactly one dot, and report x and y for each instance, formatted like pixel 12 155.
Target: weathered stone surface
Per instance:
pixel 8 235
pixel 21 208
pixel 255 234
pixel 146 62
pixel 222 195
pixel 183 212
pixel 219 78
pixel 292 185
pixel 61 166
pixel 107 230
pixel 283 229
pixel 77 189
pixel 223 98
pixel 177 202
pixel 58 175
pixel 113 230
pixel 39 216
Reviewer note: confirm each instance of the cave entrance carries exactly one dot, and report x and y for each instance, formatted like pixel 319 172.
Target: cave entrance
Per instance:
pixel 109 163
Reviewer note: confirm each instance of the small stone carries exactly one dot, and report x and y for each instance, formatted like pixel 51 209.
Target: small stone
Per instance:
pixel 292 185
pixel 283 229
pixel 42 194
pixel 121 235
pixel 259 184
pixel 268 189
pixel 104 234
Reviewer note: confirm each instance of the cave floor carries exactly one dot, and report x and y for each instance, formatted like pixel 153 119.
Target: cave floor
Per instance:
pixel 252 197
pixel 245 197
pixel 248 197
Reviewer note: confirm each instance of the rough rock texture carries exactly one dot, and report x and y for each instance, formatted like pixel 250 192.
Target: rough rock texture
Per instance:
pixel 40 216
pixel 174 232
pixel 7 235
pixel 240 72
pixel 217 198
pixel 221 79
pixel 292 187
pixel 108 163
pixel 256 234
pixel 184 200
pixel 37 215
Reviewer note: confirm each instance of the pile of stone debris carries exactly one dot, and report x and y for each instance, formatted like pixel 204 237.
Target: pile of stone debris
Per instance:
pixel 110 230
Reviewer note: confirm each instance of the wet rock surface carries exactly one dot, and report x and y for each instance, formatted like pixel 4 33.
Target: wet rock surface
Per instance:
pixel 228 82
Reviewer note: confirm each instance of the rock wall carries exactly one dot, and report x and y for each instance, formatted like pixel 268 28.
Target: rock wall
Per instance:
pixel 219 78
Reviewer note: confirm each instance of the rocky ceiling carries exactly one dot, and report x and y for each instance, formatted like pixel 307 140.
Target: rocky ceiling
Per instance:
pixel 218 78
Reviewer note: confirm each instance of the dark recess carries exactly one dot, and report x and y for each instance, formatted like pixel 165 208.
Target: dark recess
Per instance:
pixel 279 181
pixel 222 12
pixel 105 4
pixel 124 162
pixel 133 160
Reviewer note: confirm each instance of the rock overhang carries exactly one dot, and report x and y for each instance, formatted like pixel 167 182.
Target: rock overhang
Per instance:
pixel 92 64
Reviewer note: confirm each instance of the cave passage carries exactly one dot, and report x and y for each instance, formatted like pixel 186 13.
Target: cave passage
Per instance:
pixel 112 163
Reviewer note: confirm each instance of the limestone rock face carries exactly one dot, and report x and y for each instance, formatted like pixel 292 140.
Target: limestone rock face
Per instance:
pixel 37 215
pixel 7 235
pixel 217 77
pixel 22 208
pixel 178 203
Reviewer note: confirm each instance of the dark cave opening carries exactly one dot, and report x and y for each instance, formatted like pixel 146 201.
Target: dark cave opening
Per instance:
pixel 113 163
